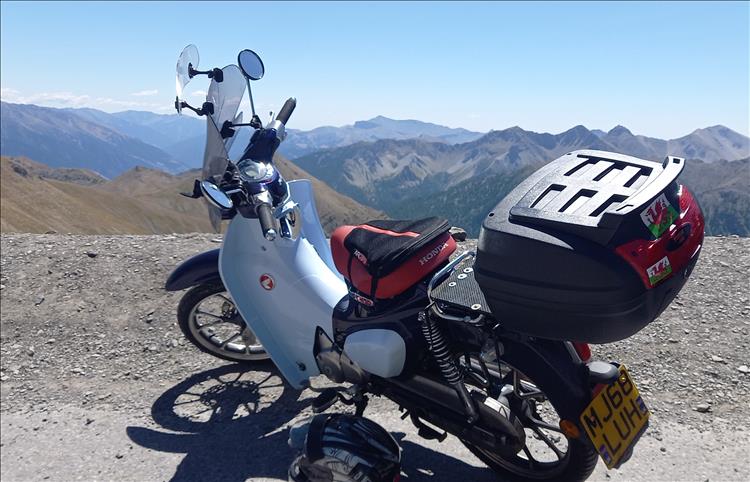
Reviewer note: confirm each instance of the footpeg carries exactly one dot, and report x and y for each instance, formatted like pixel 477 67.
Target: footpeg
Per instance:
pixel 427 433
pixel 325 400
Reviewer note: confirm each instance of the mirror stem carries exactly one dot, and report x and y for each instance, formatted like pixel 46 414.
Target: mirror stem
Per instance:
pixel 250 94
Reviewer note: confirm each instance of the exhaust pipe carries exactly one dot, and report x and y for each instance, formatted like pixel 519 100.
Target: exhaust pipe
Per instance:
pixel 496 428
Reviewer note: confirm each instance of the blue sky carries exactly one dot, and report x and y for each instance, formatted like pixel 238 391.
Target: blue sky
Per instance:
pixel 661 69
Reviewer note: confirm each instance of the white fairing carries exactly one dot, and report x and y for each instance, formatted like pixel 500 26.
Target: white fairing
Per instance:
pixel 305 286
pixel 381 352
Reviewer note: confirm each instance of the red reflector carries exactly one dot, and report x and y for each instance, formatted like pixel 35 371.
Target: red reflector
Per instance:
pixel 655 260
pixel 583 350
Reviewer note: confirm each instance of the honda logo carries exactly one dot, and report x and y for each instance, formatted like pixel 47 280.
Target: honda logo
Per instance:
pixel 267 282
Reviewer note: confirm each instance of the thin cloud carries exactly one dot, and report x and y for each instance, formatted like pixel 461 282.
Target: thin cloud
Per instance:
pixel 198 93
pixel 145 93
pixel 70 99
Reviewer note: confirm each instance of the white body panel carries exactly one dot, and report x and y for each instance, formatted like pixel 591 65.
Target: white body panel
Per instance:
pixel 381 352
pixel 306 285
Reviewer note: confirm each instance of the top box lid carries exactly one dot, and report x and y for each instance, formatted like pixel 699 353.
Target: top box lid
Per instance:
pixel 588 193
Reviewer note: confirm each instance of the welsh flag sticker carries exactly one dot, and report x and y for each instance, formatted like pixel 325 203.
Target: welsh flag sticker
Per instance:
pixel 660 270
pixel 659 215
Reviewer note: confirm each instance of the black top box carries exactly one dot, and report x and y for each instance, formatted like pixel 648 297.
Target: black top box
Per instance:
pixel 591 247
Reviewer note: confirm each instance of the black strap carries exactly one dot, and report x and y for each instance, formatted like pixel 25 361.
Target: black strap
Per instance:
pixel 349 266
pixel 313 446
pixel 374 287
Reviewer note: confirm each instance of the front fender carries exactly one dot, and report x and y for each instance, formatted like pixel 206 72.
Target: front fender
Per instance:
pixel 200 269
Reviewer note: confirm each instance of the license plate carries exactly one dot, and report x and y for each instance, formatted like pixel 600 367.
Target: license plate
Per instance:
pixel 615 419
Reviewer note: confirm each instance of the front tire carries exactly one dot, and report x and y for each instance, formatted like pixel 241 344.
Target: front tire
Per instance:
pixel 208 318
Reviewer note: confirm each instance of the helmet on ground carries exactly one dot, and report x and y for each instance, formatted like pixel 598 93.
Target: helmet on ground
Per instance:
pixel 343 448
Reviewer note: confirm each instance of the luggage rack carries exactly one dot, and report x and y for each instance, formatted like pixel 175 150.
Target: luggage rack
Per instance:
pixel 455 287
pixel 587 193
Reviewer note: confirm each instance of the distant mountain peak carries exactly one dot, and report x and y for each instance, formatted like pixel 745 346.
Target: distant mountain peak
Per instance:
pixel 619 130
pixel 368 124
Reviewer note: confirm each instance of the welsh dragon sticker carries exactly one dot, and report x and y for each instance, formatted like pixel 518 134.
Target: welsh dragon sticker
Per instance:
pixel 659 215
pixel 660 270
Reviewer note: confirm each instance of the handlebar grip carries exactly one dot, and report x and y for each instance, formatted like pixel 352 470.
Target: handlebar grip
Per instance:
pixel 267 224
pixel 286 111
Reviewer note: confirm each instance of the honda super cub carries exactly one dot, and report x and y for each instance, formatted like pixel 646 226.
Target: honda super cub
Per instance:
pixel 489 346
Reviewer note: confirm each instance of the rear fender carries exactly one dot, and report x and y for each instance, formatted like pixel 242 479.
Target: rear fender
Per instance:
pixel 555 368
pixel 200 269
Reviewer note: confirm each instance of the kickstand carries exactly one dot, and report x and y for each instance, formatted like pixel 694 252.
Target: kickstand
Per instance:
pixel 329 396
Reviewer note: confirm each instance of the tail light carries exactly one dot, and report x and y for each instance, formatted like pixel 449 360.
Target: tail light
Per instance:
pixel 583 350
pixel 656 260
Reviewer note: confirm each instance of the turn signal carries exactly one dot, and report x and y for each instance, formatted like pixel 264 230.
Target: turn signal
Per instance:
pixel 569 429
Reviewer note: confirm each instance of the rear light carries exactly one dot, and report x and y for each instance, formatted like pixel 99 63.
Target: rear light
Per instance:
pixel 655 260
pixel 570 429
pixel 583 350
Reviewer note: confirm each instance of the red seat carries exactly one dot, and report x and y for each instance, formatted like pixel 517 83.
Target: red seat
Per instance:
pixel 389 257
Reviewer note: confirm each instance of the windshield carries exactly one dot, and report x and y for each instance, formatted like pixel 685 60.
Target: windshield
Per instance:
pixel 225 97
pixel 188 58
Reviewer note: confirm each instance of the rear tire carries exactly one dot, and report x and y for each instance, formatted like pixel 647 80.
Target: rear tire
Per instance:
pixel 577 464
pixel 200 325
pixel 581 462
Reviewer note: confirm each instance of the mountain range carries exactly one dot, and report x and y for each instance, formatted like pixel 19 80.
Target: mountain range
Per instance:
pixel 722 189
pixel 386 172
pixel 81 137
pixel 299 143
pixel 402 167
pixel 37 198
pixel 60 138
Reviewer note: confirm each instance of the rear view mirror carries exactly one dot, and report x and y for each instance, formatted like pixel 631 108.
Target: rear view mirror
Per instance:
pixel 251 65
pixel 215 195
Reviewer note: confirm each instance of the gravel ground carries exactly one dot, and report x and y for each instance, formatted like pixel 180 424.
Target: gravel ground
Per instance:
pixel 97 382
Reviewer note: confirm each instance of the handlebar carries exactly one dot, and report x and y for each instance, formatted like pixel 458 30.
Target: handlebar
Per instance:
pixel 286 111
pixel 267 224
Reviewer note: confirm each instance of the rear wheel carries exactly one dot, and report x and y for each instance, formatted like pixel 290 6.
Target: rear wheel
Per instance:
pixel 209 319
pixel 547 454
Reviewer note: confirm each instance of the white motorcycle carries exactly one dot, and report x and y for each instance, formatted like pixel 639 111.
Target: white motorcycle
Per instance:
pixel 384 309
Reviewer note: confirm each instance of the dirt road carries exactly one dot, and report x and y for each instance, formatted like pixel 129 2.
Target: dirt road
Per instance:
pixel 98 384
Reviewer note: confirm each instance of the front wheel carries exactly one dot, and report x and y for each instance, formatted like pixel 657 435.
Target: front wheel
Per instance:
pixel 208 318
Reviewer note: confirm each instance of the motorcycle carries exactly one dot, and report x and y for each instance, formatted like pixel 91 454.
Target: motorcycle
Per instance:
pixel 491 345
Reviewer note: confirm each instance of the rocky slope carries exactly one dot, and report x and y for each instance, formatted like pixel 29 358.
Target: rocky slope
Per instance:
pixel 37 198
pixel 96 382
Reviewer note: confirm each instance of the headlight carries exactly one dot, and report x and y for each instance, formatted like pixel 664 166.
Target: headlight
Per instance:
pixel 254 171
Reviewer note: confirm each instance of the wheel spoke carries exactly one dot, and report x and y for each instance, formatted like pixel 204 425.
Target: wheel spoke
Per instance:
pixel 211 323
pixel 541 423
pixel 549 442
pixel 200 312
pixel 228 300
pixel 532 460
pixel 228 340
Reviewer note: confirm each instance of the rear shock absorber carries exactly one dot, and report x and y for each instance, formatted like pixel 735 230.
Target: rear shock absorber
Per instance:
pixel 441 352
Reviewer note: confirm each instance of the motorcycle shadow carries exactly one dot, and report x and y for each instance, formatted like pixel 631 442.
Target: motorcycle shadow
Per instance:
pixel 231 425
